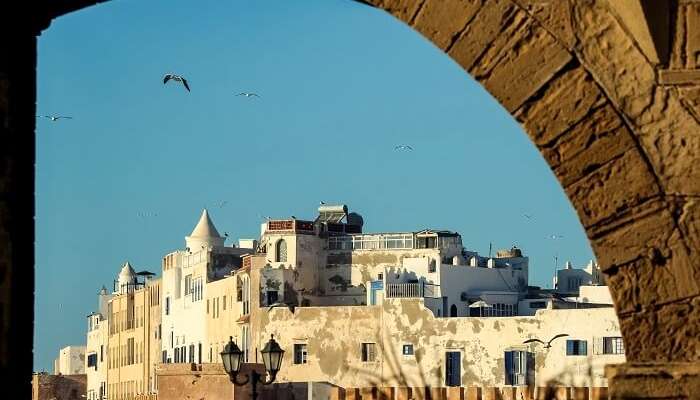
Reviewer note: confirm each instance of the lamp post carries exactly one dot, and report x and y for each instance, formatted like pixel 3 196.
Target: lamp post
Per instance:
pixel 232 358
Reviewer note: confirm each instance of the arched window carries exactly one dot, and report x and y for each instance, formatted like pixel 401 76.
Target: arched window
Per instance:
pixel 453 311
pixel 281 248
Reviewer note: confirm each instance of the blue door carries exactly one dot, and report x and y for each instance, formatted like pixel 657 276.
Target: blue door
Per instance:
pixel 453 368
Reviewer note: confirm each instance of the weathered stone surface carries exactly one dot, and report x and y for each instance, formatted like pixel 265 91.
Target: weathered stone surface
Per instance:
pixel 525 68
pixel 442 21
pixel 566 100
pixel 664 126
pixel 635 232
pixel 589 145
pixel 663 275
pixel 555 16
pixel 666 333
pixel 653 380
pixel 497 18
pixel 615 186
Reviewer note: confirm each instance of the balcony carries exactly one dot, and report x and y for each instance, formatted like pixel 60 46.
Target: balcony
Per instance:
pixel 409 290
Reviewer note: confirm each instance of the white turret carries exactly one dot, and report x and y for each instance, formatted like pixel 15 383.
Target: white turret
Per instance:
pixel 126 279
pixel 204 234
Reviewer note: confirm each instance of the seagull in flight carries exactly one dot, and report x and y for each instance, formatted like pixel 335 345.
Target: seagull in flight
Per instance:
pixel 176 78
pixel 403 147
pixel 548 344
pixel 54 117
pixel 528 216
pixel 247 94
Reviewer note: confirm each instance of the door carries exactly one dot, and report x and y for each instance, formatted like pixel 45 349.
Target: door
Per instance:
pixel 453 368
pixel 453 311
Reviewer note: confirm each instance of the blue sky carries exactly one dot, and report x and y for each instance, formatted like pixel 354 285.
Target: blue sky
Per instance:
pixel 340 83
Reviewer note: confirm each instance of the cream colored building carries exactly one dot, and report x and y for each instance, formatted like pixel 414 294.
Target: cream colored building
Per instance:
pixel 133 347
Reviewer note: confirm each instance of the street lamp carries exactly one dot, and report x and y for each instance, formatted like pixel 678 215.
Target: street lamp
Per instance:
pixel 232 358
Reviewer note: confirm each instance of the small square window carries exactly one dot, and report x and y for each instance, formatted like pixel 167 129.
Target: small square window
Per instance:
pixel 408 349
pixel 300 353
pixel 380 276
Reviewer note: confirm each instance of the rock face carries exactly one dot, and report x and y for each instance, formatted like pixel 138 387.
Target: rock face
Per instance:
pixel 608 91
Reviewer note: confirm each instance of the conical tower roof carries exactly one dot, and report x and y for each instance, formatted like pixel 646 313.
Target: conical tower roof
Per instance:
pixel 127 271
pixel 205 227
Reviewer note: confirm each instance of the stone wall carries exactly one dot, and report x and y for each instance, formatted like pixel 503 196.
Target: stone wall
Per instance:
pixel 58 387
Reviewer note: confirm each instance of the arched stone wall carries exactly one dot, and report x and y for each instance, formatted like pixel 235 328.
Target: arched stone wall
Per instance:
pixel 625 148
pixel 608 91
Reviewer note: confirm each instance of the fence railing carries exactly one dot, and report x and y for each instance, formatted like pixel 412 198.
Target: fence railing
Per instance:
pixel 410 290
pixel 471 393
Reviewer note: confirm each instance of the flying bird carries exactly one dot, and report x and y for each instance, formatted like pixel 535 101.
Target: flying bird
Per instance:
pixel 247 94
pixel 403 147
pixel 289 306
pixel 176 78
pixel 54 117
pixel 528 216
pixel 322 203
pixel 223 203
pixel 548 344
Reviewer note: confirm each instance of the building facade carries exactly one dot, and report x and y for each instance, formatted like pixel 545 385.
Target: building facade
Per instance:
pixel 70 361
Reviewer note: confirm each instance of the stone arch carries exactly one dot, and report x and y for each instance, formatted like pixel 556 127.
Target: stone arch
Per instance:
pixel 617 123
pixel 624 146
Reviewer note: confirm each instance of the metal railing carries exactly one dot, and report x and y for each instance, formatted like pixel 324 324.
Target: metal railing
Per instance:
pixel 410 290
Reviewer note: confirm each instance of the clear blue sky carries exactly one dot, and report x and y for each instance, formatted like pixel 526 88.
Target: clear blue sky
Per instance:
pixel 341 85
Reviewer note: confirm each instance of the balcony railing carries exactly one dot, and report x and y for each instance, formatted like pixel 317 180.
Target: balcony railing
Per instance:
pixel 409 290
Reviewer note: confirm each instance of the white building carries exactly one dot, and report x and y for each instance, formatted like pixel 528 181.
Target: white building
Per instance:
pixel 96 351
pixel 70 361
pixel 186 273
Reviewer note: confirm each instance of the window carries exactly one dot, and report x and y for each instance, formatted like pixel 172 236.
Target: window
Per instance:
pixel 177 355
pixel 271 297
pixel 431 266
pixel 102 349
pixel 300 353
pixel 380 276
pixel 613 345
pixel 167 305
pixel 188 284
pixel 197 289
pixel 538 304
pixel 199 353
pixel 576 348
pixel 224 301
pixel 369 353
pixel 130 351
pixel 192 353
pixel 408 349
pixel 92 360
pixel 164 356
pixel 281 250
pixel 207 306
pixel 519 367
